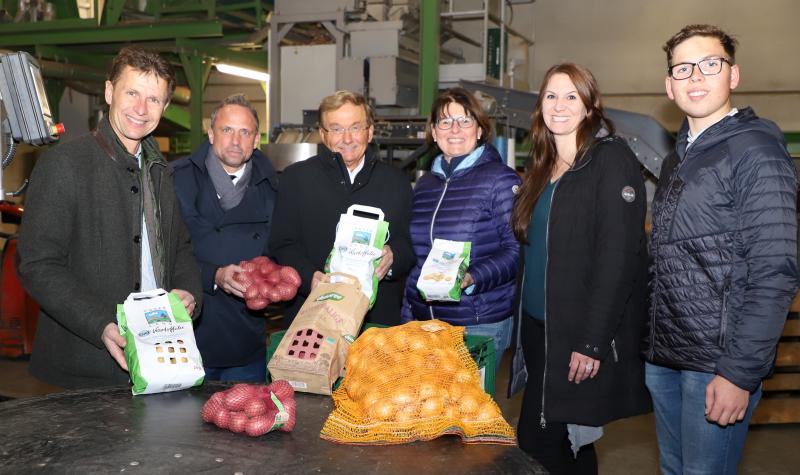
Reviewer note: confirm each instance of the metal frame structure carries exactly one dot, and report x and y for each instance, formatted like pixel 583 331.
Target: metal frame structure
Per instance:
pixel 332 20
pixel 193 34
pixel 649 141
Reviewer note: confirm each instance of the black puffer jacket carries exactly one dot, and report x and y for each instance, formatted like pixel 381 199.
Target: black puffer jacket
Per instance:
pixel 723 250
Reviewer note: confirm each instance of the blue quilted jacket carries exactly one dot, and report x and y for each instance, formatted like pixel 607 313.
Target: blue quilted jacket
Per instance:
pixel 474 205
pixel 723 249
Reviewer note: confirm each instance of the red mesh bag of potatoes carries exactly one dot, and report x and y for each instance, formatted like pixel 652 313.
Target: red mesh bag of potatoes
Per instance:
pixel 266 282
pixel 413 382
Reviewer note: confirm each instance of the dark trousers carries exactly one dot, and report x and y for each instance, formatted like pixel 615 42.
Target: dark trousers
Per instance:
pixel 549 445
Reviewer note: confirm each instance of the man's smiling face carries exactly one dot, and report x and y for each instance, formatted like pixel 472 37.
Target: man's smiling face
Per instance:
pixel 704 99
pixel 136 102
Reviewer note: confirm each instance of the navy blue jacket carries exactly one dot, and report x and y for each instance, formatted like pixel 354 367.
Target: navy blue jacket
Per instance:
pixel 724 251
pixel 474 205
pixel 227 333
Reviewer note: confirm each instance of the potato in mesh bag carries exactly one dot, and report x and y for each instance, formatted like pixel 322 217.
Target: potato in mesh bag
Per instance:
pixel 413 382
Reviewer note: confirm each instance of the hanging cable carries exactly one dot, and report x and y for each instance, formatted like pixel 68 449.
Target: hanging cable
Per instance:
pixel 12 148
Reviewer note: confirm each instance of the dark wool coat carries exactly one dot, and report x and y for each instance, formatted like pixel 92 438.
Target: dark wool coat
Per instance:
pixel 474 205
pixel 724 251
pixel 227 333
pixel 595 289
pixel 79 252
pixel 311 197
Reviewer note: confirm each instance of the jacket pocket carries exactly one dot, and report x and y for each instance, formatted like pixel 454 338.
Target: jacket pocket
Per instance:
pixel 723 317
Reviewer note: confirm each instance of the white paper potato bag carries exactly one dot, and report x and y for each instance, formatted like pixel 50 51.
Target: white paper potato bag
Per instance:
pixel 357 247
pixel 444 268
pixel 161 352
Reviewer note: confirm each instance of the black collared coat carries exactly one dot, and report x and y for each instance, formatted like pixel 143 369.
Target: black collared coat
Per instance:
pixel 227 333
pixel 311 197
pixel 595 289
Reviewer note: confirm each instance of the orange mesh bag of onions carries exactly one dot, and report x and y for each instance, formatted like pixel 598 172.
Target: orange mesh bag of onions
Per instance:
pixel 413 382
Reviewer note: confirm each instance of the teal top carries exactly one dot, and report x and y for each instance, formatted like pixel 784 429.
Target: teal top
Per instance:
pixel 533 297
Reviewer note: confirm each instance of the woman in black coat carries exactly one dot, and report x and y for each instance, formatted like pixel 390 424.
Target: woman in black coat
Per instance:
pixel 580 217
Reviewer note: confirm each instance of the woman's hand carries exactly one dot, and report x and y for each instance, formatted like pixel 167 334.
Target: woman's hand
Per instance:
pixel 467 281
pixel 582 367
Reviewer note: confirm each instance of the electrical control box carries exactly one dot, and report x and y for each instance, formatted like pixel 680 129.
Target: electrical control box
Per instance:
pixel 23 95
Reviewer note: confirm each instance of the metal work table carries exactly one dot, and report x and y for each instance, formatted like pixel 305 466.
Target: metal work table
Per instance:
pixel 108 430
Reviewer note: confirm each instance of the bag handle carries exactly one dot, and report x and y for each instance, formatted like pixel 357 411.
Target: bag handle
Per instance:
pixel 341 277
pixel 367 210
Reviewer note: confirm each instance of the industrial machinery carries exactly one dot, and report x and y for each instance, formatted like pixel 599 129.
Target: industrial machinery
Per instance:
pixel 319 46
pixel 24 118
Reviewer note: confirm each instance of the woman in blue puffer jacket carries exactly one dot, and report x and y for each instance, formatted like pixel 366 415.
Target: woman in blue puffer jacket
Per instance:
pixel 467 196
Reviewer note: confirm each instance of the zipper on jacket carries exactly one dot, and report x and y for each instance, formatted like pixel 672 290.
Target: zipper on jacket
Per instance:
pixel 433 220
pixel 614 350
pixel 651 351
pixel 542 419
pixel 723 324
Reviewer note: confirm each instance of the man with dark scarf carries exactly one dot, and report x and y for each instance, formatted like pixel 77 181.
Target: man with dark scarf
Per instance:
pixel 101 221
pixel 226 189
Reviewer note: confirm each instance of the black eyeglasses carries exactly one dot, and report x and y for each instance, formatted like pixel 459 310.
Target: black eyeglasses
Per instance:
pixel 708 67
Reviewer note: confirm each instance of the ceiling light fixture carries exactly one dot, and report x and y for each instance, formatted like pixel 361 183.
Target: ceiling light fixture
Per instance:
pixel 242 72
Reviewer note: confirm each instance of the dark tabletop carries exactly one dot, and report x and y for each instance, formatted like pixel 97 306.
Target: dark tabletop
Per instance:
pixel 108 430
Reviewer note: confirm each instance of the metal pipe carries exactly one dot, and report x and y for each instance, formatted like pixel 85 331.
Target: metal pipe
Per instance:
pixel 429 54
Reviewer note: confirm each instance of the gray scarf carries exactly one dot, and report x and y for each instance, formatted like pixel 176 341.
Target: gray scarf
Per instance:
pixel 229 195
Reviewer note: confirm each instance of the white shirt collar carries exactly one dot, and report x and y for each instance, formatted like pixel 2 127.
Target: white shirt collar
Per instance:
pixel 138 154
pixel 238 173
pixel 354 172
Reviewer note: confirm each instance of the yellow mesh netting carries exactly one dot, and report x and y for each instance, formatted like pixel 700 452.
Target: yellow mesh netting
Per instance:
pixel 413 382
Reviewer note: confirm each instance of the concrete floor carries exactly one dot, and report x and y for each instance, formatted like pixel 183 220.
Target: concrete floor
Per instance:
pixel 628 447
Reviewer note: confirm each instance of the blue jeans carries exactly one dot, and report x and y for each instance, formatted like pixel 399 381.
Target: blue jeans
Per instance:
pixel 500 332
pixel 687 443
pixel 255 372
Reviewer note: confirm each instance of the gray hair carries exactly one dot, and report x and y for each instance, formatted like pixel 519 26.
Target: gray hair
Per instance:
pixel 340 98
pixel 235 100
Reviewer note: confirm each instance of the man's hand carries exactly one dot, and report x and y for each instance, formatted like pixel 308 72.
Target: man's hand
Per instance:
pixel 467 280
pixel 114 344
pixel 317 278
pixel 726 403
pixel 582 367
pixel 385 263
pixel 187 300
pixel 224 280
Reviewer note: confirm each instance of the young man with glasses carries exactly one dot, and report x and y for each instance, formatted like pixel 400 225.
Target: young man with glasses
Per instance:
pixel 724 269
pixel 315 192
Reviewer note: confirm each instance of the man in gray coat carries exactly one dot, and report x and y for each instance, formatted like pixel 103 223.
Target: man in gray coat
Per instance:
pixel 102 221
